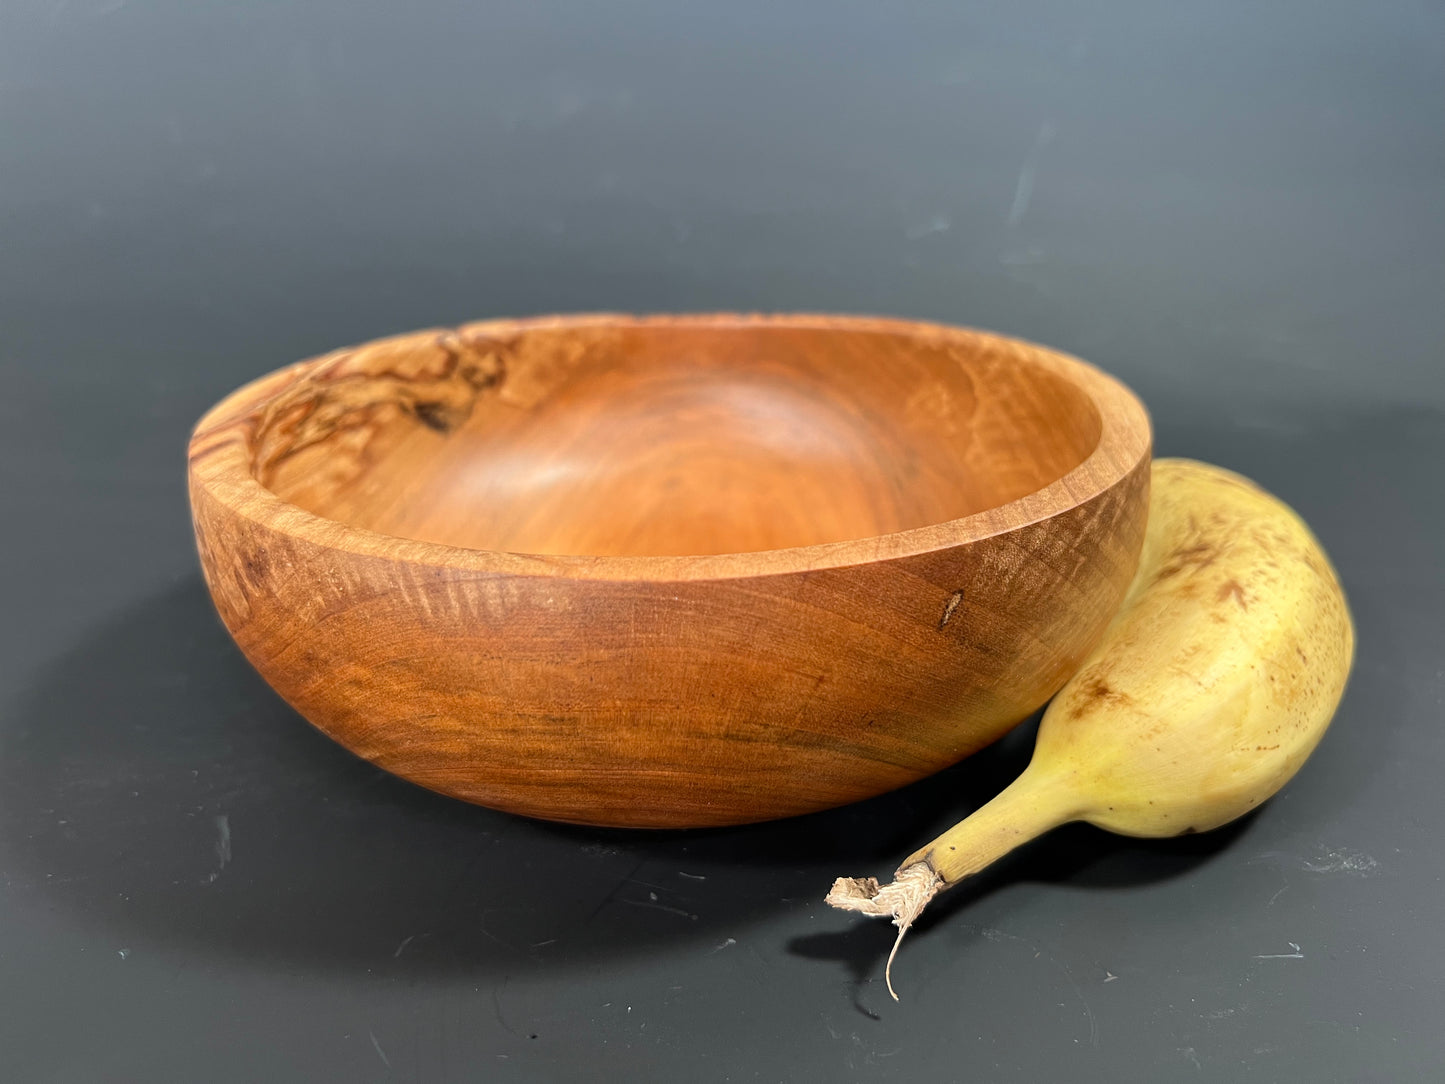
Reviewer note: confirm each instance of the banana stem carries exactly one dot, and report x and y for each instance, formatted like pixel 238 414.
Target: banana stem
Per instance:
pixel 1024 810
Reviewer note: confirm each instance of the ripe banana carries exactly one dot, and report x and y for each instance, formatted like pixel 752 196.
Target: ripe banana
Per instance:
pixel 1212 685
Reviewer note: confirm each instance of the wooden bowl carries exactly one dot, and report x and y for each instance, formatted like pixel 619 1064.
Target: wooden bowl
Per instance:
pixel 671 571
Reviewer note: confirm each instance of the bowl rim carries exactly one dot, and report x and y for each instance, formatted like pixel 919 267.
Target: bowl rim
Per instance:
pixel 219 466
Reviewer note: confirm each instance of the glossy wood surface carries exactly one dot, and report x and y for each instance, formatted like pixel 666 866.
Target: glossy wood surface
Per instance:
pixel 671 571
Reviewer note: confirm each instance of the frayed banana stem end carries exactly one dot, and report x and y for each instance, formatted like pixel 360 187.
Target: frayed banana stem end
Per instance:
pixel 903 900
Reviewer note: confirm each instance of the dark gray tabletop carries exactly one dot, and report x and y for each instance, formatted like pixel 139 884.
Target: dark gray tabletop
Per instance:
pixel 1235 207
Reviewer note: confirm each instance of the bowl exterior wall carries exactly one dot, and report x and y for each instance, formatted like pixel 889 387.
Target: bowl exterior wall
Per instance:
pixel 668 704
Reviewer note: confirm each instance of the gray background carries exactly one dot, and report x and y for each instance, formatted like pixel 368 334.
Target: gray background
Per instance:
pixel 1236 207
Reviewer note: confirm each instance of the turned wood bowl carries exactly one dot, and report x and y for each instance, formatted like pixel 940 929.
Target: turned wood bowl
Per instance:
pixel 671 571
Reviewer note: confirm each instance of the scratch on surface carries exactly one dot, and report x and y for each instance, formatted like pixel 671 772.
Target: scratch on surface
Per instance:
pixel 1334 860
pixel 222 847
pixel 1277 895
pixel 1356 862
pixel 997 936
pixel 948 608
pixel 96 9
pixel 380 1053
pixel 1093 1024
pixel 404 942
pixel 223 839
pixel 656 906
pixel 605 900
pixel 1188 1052
pixel 939 223
pixel 497 1007
pixel 692 876
pixel 601 850
pixel 482 926
pixel 1296 954
pixel 1023 192
pixel 1024 187
pixel 726 944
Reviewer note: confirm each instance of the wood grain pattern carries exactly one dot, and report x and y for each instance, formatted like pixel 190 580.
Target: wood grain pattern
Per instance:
pixel 671 571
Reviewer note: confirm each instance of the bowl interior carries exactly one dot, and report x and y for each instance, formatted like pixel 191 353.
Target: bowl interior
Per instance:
pixel 668 438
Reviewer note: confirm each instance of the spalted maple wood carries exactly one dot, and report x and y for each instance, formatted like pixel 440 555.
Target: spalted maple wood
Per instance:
pixel 671 571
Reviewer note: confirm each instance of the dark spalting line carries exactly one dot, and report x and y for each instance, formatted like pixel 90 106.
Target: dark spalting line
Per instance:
pixel 434 416
pixel 298 419
pixel 475 375
pixel 212 441
pixel 264 465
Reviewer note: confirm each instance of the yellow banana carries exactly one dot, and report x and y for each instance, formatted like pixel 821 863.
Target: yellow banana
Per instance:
pixel 1214 682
